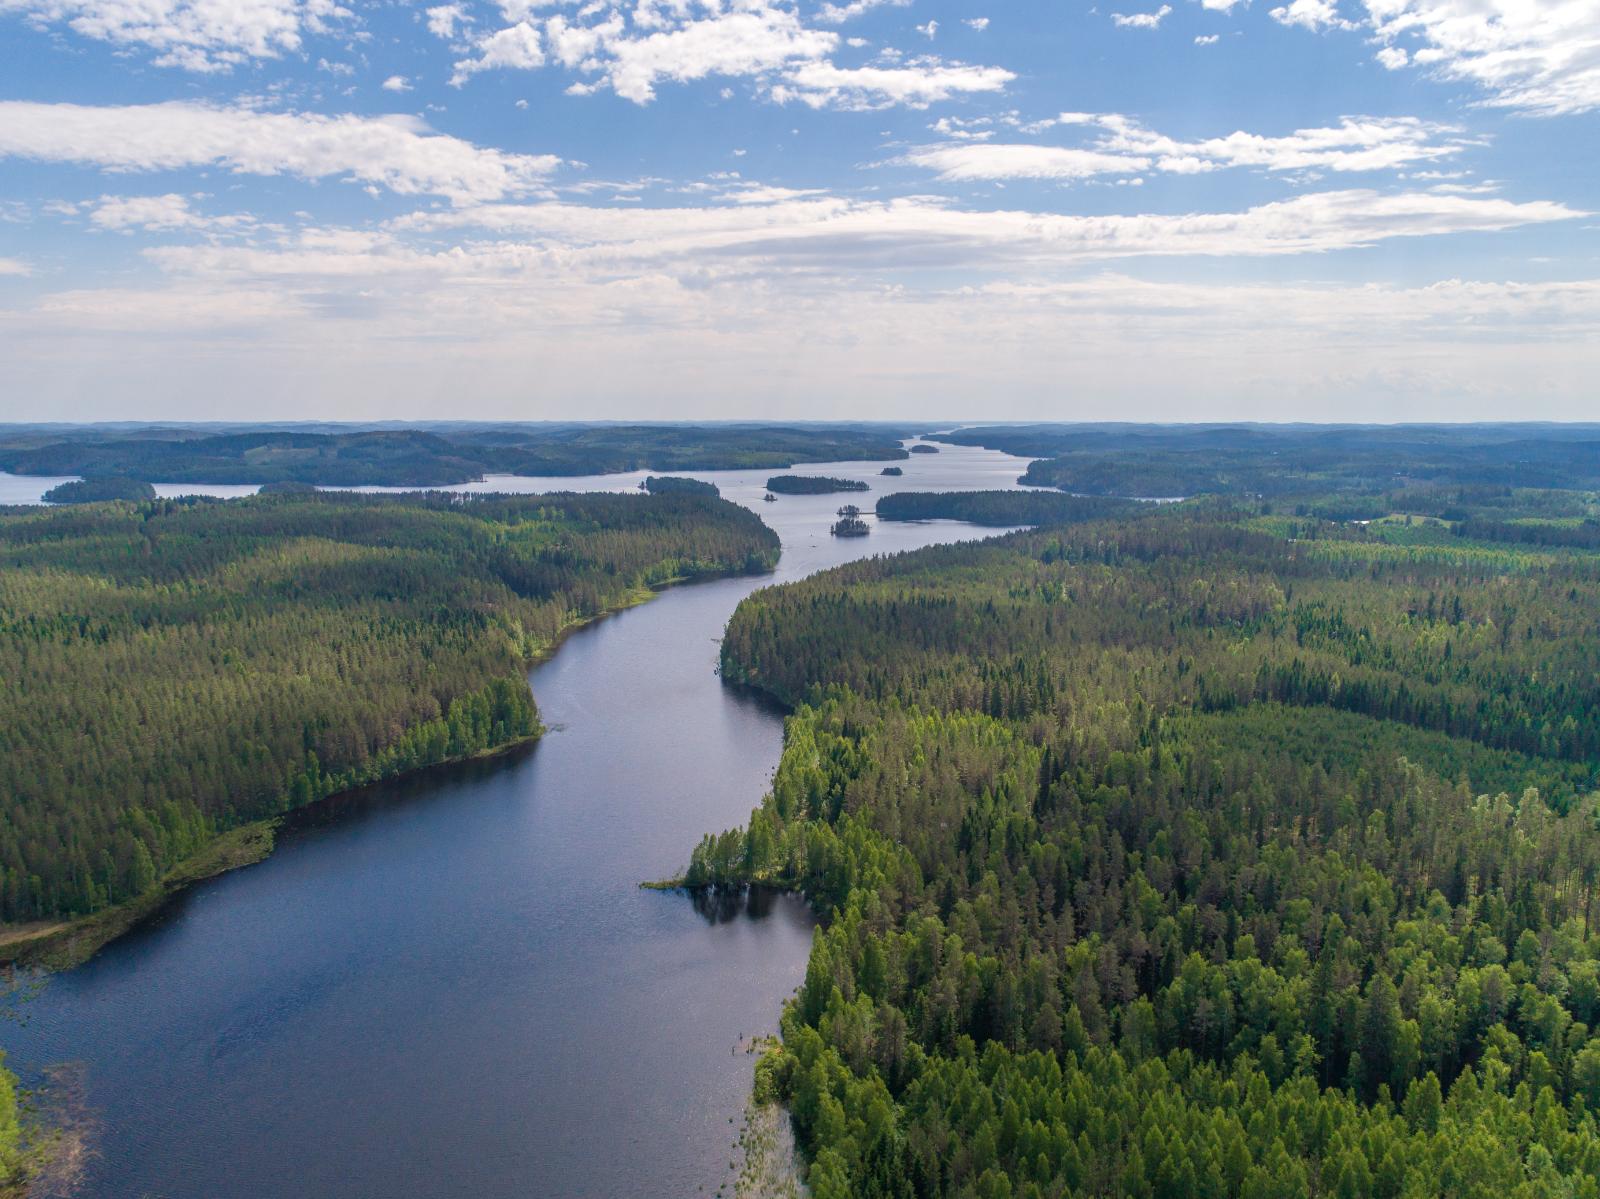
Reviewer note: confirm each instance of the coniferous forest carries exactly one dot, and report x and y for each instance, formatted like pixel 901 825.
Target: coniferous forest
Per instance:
pixel 1222 849
pixel 178 668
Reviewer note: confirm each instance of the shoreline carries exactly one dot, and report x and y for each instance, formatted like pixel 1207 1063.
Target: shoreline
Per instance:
pixel 53 946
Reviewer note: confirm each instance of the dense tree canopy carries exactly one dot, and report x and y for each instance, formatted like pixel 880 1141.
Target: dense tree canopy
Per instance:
pixel 419 457
pixel 1184 460
pixel 1214 852
pixel 176 668
pixel 94 490
pixel 812 485
pixel 1000 508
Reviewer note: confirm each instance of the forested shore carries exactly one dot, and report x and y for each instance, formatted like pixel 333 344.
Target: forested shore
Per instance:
pixel 1221 851
pixel 182 668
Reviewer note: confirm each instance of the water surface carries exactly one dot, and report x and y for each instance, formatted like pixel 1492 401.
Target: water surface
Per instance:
pixel 451 985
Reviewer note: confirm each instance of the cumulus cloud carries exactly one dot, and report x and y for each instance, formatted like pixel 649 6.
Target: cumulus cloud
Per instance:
pixel 399 153
pixel 662 41
pixel 1207 39
pixel 197 35
pixel 515 47
pixel 397 83
pixel 1312 14
pixel 1142 20
pixel 160 214
pixel 1541 58
pixel 836 14
pixel 979 24
pixel 444 18
pixel 915 85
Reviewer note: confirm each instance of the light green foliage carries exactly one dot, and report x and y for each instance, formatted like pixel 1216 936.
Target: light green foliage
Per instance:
pixel 1175 857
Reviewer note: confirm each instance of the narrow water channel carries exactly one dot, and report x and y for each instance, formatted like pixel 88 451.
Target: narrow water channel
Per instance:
pixel 451 985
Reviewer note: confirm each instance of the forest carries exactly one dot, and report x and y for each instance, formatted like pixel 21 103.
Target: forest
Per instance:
pixel 812 485
pixel 1172 461
pixel 1001 508
pixel 424 456
pixel 178 668
pixel 93 490
pixel 670 484
pixel 1223 849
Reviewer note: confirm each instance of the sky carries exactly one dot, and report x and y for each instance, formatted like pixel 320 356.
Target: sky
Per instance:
pixel 1374 210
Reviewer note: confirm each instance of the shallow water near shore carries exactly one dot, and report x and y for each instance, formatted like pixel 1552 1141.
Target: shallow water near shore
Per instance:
pixel 451 984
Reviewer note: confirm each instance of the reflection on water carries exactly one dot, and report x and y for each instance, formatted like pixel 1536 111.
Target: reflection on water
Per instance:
pixel 452 984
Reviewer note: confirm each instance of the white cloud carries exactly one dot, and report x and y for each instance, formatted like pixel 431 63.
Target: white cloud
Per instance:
pixel 1312 14
pixel 1222 5
pixel 159 214
pixel 396 152
pixel 397 83
pixel 977 23
pixel 1124 147
pixel 517 47
pixel 197 35
pixel 404 331
pixel 855 236
pixel 734 43
pixel 669 41
pixel 916 85
pixel 1537 56
pixel 14 267
pixel 1142 20
pixel 443 19
pixel 836 14
pixel 1207 39
pixel 968 161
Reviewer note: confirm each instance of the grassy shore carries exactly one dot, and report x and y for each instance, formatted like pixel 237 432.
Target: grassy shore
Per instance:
pixel 65 944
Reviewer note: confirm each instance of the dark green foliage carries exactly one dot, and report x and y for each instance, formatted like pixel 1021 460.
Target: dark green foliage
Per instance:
pixel 1180 856
pixel 1000 508
pixel 437 455
pixel 812 485
pixel 670 485
pixel 95 490
pixel 177 668
pixel 892 471
pixel 924 449
pixel 1184 460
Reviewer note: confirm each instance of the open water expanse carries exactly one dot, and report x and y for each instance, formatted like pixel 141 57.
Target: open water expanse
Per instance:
pixel 452 985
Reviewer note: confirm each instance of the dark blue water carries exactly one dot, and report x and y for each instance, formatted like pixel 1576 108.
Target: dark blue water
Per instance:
pixel 452 984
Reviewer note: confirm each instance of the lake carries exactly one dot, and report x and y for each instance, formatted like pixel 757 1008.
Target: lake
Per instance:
pixel 452 984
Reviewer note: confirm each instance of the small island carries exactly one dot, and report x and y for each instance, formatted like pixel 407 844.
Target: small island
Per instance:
pixel 849 510
pixel 924 449
pixel 288 487
pixel 849 526
pixel 892 471
pixel 95 490
pixel 812 485
pixel 676 485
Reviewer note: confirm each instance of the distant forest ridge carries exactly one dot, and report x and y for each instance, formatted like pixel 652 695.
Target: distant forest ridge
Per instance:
pixel 435 456
pixel 1169 461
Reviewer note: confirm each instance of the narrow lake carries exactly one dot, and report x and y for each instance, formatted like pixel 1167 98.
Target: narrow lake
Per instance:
pixel 451 985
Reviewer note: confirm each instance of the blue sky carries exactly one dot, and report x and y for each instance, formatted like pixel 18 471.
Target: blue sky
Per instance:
pixel 1198 209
